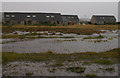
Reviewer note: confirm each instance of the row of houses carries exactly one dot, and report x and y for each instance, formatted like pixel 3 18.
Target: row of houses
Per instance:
pixel 27 18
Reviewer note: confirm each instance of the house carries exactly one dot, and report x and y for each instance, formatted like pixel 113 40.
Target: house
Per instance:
pixel 103 19
pixel 70 19
pixel 31 18
pixel 119 11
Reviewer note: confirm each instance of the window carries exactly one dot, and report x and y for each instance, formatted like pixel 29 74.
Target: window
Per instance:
pixel 52 16
pixel 28 16
pixel 103 17
pixel 72 17
pixel 34 15
pixel 7 16
pixel 68 17
pixel 12 15
pixel 47 16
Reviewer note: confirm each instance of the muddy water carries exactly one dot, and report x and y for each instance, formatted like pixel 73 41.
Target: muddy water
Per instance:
pixel 62 45
pixel 44 45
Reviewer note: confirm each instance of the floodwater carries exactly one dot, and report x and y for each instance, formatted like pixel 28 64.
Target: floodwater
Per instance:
pixel 64 45
pixel 43 69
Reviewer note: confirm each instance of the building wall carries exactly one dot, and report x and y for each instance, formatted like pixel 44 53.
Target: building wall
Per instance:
pixel 119 11
pixel 103 20
pixel 32 18
pixel 70 19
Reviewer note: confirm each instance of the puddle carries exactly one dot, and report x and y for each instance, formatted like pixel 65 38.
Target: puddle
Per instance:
pixel 40 69
pixel 63 45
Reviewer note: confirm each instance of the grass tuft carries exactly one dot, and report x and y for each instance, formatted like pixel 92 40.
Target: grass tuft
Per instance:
pixel 76 69
pixel 91 75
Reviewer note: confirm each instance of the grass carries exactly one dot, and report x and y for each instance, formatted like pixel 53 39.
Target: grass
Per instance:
pixel 29 73
pixel 98 37
pixel 52 70
pixel 91 75
pixel 76 29
pixel 57 65
pixel 36 34
pixel 86 63
pixel 76 69
pixel 13 36
pixel 105 62
pixel 108 57
pixel 25 36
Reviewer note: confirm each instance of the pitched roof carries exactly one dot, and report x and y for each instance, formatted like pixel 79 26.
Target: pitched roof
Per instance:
pixel 30 13
pixel 103 16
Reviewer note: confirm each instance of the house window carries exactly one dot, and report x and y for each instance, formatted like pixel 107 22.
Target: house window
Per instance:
pixel 103 17
pixel 28 16
pixel 7 16
pixel 52 16
pixel 47 16
pixel 34 15
pixel 12 15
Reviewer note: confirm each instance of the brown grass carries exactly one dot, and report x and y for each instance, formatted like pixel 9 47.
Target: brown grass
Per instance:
pixel 77 29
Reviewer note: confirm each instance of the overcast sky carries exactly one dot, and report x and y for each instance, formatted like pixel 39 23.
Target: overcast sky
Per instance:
pixel 59 0
pixel 82 9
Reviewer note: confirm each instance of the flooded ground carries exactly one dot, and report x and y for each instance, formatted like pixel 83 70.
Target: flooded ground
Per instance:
pixel 43 69
pixel 57 42
pixel 61 43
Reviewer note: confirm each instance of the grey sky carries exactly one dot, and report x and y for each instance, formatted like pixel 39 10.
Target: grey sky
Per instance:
pixel 82 9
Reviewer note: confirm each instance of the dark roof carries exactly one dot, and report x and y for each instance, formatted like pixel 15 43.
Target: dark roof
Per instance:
pixel 30 13
pixel 103 16
pixel 69 15
pixel 40 16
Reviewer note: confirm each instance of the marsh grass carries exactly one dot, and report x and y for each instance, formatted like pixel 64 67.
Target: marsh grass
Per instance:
pixel 76 29
pixel 104 61
pixel 98 37
pixel 52 70
pixel 29 73
pixel 13 36
pixel 25 36
pixel 93 57
pixel 36 34
pixel 86 63
pixel 91 75
pixel 76 69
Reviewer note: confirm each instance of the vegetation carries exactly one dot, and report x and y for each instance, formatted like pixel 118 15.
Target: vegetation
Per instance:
pixel 90 75
pixel 106 58
pixel 29 73
pixel 52 70
pixel 76 69
pixel 34 37
pixel 98 37
pixel 109 69
pixel 58 64
pixel 76 29
pixel 13 36
pixel 107 62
